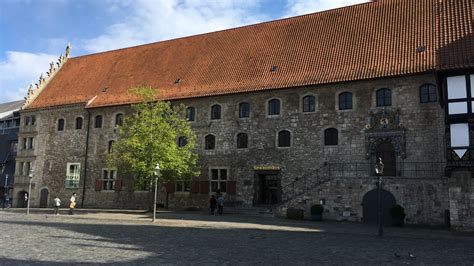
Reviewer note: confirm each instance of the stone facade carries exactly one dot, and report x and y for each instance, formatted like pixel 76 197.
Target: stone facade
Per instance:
pixel 415 129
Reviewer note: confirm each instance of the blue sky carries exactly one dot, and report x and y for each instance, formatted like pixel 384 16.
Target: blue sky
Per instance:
pixel 34 33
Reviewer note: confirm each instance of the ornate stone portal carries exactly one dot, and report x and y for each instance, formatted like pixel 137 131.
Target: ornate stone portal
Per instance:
pixel 384 126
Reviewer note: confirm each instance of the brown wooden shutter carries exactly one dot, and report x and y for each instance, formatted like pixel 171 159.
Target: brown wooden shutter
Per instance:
pixel 98 185
pixel 195 187
pixel 118 185
pixel 204 187
pixel 170 187
pixel 231 187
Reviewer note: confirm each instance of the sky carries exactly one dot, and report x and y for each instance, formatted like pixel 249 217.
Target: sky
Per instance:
pixel 34 33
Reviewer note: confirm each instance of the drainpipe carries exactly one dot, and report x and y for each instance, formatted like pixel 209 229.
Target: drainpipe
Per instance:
pixel 85 162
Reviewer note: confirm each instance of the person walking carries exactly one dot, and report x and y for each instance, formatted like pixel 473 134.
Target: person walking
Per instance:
pixel 212 204
pixel 7 200
pixel 72 203
pixel 57 204
pixel 220 204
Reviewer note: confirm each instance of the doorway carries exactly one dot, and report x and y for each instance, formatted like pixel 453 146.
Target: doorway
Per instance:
pixel 268 190
pixel 370 206
pixel 387 153
pixel 44 195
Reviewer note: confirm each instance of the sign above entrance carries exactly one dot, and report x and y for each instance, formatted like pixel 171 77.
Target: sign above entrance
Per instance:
pixel 267 168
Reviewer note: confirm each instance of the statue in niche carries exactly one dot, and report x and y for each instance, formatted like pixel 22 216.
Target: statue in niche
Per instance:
pixel 68 50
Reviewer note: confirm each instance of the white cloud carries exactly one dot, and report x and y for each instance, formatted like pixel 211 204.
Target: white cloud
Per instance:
pixel 20 69
pixel 300 7
pixel 154 20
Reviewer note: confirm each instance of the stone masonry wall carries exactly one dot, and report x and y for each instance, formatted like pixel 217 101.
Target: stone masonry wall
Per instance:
pixel 307 154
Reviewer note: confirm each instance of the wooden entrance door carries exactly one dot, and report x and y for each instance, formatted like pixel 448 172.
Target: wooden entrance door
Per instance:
pixel 370 207
pixel 387 153
pixel 44 198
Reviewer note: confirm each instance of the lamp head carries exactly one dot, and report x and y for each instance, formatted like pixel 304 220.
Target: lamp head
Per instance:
pixel 30 175
pixel 156 171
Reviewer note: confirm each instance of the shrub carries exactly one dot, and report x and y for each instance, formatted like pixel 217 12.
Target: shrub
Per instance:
pixel 317 209
pixel 397 211
pixel 295 214
pixel 398 215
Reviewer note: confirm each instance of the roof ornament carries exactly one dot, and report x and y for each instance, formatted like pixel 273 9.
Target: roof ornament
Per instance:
pixel 34 91
pixel 68 49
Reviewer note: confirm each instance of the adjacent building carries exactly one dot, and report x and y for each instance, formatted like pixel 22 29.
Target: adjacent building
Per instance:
pixel 9 126
pixel 288 113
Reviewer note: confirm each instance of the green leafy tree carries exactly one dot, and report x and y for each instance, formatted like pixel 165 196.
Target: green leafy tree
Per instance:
pixel 149 137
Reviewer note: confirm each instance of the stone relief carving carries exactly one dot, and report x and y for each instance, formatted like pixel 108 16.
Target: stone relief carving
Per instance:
pixel 384 127
pixel 34 91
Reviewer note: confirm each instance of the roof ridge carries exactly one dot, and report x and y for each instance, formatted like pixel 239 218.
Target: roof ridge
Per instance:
pixel 229 29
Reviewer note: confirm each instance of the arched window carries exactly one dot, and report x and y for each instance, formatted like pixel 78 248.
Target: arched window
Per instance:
pixel 284 138
pixel 428 93
pixel 309 103
pixel 210 142
pixel 61 124
pixel 274 107
pixel 331 136
pixel 118 119
pixel 384 97
pixel 79 123
pixel 216 112
pixel 244 110
pixel 110 149
pixel 182 141
pixel 98 121
pixel 242 141
pixel 190 113
pixel 345 101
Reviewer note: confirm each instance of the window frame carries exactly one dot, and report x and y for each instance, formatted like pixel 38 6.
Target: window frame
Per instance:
pixel 182 141
pixel 384 97
pixel 191 110
pixel 206 142
pixel 185 186
pixel 342 103
pixel 72 180
pixel 216 109
pixel 239 139
pixel 244 113
pixel 118 119
pixel 219 180
pixel 269 101
pixel 60 125
pixel 107 184
pixel 81 124
pixel 101 123
pixel 327 139
pixel 429 93
pixel 290 138
pixel 303 104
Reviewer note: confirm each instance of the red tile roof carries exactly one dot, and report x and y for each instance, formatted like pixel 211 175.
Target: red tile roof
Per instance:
pixel 371 40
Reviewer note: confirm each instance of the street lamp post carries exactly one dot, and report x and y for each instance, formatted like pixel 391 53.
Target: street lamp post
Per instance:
pixel 156 173
pixel 379 172
pixel 29 194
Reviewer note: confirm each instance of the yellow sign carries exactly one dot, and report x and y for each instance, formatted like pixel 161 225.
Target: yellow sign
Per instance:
pixel 266 168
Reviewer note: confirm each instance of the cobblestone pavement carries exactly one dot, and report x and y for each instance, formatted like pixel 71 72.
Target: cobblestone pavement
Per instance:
pixel 130 238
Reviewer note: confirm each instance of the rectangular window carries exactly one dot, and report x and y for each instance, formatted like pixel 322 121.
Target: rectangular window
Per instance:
pixel 219 179
pixel 27 168
pixel 33 120
pixel 459 135
pixel 456 87
pixel 13 146
pixel 31 143
pixel 108 179
pixel 27 120
pixel 183 186
pixel 457 108
pixel 72 175
pixel 21 165
pixel 25 142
